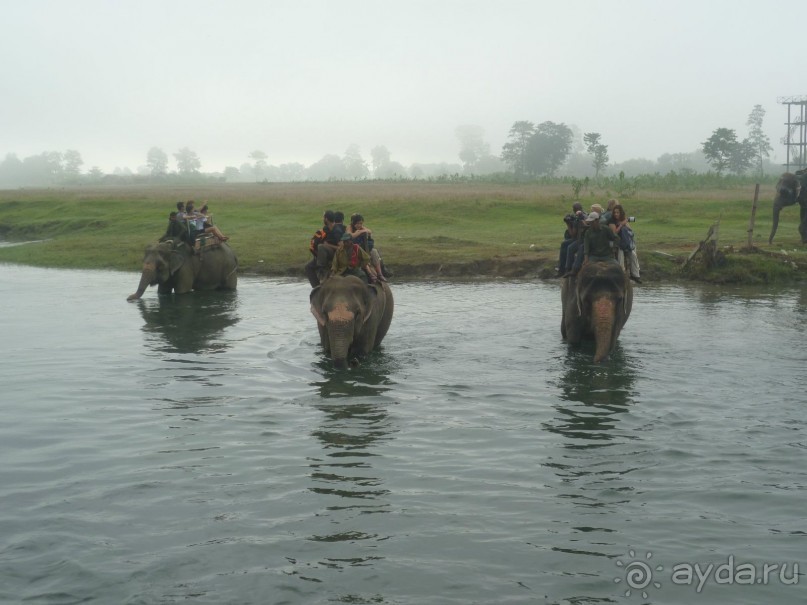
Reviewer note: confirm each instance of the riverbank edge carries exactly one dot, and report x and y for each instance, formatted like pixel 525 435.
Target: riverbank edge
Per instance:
pixel 756 268
pixel 741 267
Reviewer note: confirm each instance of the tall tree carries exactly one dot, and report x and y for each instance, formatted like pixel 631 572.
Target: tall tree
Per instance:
pixel 757 138
pixel 72 163
pixel 548 148
pixel 328 167
pixel 380 157
pixel 157 161
pixel 473 148
pixel 596 149
pixel 355 166
pixel 724 152
pixel 514 152
pixel 187 161
pixel 719 147
pixel 292 171
pixel 259 168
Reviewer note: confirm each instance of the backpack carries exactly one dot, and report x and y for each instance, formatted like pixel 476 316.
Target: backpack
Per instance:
pixel 318 238
pixel 626 239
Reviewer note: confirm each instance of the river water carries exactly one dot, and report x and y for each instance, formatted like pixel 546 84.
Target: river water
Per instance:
pixel 200 449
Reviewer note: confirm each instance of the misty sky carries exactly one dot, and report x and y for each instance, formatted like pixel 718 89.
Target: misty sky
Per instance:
pixel 299 79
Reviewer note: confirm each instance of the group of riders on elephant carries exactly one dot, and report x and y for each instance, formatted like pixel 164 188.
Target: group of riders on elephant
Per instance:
pixel 353 316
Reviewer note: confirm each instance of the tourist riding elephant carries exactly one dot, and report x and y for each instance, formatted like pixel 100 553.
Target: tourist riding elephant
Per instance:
pixel 596 304
pixel 172 265
pixel 352 316
pixel 790 189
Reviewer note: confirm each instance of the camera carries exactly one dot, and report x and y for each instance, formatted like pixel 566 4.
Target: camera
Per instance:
pixel 631 219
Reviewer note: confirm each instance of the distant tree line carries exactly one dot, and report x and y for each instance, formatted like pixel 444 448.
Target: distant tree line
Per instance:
pixel 532 151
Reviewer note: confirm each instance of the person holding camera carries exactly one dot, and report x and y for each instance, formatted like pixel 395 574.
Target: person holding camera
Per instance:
pixel 627 244
pixel 572 238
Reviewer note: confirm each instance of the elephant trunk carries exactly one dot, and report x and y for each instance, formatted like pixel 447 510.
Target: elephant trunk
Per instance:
pixel 341 325
pixel 776 210
pixel 340 337
pixel 148 277
pixel 603 320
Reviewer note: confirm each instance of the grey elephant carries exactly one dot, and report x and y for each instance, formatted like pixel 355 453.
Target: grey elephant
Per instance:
pixel 596 305
pixel 353 317
pixel 171 265
pixel 791 188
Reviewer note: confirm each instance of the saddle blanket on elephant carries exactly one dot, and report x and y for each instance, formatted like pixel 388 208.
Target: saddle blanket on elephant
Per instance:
pixel 207 242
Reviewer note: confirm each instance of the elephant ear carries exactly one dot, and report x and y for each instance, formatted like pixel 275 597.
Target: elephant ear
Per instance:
pixel 176 260
pixel 370 300
pixel 314 310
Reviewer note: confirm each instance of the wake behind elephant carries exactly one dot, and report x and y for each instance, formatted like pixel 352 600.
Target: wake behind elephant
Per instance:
pixel 352 316
pixel 596 305
pixel 791 188
pixel 172 266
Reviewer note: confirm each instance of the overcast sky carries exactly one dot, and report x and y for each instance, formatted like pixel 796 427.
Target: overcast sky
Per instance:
pixel 299 79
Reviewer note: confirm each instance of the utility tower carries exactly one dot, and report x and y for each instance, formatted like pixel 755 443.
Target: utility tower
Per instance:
pixel 796 139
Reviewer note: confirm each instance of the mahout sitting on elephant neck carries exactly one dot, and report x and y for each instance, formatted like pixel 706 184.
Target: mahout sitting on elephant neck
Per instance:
pixel 351 259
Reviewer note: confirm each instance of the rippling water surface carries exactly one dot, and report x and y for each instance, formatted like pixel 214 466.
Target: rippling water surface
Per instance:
pixel 200 449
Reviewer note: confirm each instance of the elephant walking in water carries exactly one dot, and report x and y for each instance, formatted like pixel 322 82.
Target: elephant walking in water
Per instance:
pixel 790 189
pixel 171 265
pixel 352 316
pixel 596 305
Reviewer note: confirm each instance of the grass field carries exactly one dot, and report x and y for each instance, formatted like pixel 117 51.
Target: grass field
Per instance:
pixel 414 224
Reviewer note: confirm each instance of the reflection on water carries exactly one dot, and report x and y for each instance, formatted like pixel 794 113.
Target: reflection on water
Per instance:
pixel 591 464
pixel 203 449
pixel 354 426
pixel 190 323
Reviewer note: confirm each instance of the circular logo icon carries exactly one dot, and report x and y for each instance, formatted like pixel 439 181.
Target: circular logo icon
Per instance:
pixel 638 574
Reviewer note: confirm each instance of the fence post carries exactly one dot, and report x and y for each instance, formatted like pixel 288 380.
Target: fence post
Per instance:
pixel 751 222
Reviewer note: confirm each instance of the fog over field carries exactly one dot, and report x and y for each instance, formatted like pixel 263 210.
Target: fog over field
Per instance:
pixel 299 79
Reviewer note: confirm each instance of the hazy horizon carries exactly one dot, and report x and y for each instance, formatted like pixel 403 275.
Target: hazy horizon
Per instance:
pixel 302 79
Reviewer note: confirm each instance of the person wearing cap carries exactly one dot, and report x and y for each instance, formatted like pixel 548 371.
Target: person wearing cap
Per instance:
pixel 351 259
pixel 597 242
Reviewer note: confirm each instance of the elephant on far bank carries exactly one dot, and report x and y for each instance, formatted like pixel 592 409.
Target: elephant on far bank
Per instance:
pixel 791 188
pixel 596 305
pixel 352 316
pixel 172 265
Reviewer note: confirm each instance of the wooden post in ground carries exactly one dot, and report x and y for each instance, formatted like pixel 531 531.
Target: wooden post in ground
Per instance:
pixel 751 222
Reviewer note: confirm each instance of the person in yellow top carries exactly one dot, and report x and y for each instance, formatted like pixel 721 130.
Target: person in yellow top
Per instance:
pixel 351 259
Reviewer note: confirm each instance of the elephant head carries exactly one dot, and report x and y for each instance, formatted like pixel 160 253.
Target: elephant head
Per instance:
pixel 596 305
pixel 352 316
pixel 171 265
pixel 791 188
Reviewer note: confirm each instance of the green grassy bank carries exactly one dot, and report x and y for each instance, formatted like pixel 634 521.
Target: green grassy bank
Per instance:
pixel 448 229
